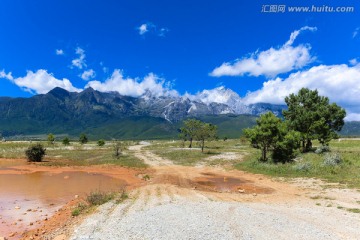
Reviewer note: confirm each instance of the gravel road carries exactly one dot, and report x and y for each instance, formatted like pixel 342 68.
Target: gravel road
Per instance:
pixel 171 208
pixel 168 212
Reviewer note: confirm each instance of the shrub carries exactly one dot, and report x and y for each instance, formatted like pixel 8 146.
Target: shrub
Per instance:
pixel 51 138
pixel 322 149
pixel 83 139
pixel 332 159
pixel 75 212
pixel 98 198
pixel 122 197
pixel 80 207
pixel 66 141
pixel 117 149
pixel 35 153
pixel 303 167
pixel 101 143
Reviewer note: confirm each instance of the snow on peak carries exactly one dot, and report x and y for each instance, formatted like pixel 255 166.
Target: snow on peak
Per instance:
pixel 219 95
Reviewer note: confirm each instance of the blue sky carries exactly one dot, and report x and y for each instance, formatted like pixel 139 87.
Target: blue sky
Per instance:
pixel 174 47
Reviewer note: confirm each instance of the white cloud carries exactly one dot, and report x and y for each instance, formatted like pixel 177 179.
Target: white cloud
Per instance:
pixel 59 52
pixel 162 32
pixel 270 62
pixel 133 87
pixel 80 61
pixel 152 28
pixel 143 29
pixel 8 76
pixel 352 116
pixel 356 32
pixel 39 82
pixel 88 74
pixel 296 33
pixel 105 69
pixel 338 82
pixel 353 61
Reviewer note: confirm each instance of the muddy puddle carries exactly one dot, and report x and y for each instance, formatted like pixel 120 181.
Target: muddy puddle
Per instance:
pixel 218 183
pixel 215 183
pixel 27 199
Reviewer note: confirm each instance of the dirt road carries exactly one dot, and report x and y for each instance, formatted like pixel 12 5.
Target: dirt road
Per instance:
pixel 211 203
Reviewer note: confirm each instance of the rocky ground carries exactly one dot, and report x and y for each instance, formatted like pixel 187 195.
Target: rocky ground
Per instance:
pixel 211 203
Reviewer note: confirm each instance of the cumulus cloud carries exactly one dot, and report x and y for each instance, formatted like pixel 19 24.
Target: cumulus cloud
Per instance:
pixel 88 74
pixel 338 82
pixel 59 52
pixel 270 62
pixel 143 28
pixel 133 87
pixel 39 82
pixel 79 62
pixel 352 116
pixel 152 28
pixel 5 75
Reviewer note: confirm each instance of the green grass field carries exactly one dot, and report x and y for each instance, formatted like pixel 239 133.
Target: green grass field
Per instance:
pixel 245 158
pixel 306 165
pixel 75 154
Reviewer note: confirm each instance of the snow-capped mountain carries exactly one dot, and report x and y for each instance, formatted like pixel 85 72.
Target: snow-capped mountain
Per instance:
pixel 91 104
pixel 216 101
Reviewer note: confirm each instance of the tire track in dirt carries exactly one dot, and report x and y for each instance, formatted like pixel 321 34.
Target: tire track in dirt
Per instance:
pixel 174 206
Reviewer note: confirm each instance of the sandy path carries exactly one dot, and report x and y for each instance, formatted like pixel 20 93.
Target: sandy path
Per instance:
pixel 187 203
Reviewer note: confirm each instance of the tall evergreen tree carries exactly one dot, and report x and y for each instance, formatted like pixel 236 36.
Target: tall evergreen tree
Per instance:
pixel 314 117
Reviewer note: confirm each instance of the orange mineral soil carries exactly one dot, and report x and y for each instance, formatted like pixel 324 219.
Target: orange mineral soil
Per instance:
pixel 31 194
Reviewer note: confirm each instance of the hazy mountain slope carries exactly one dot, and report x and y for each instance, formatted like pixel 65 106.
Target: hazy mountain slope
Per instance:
pixel 111 115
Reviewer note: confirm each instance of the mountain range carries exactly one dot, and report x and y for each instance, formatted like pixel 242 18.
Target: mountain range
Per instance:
pixel 111 115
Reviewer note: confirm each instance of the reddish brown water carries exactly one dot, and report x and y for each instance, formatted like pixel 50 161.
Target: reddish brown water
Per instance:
pixel 28 198
pixel 220 183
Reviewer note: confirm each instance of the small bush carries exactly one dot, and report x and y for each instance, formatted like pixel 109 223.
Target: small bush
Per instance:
pixel 83 139
pixel 66 141
pixel 80 207
pixel 98 198
pixel 51 138
pixel 35 153
pixel 101 143
pixel 146 177
pixel 322 149
pixel 332 159
pixel 118 148
pixel 122 197
pixel 303 167
pixel 75 212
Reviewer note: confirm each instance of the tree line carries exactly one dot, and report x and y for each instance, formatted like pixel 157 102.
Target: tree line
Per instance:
pixel 309 117
pixel 197 130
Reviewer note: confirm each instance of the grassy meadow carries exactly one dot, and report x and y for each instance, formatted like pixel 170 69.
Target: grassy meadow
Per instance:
pixel 75 154
pixel 246 158
pixel 230 154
